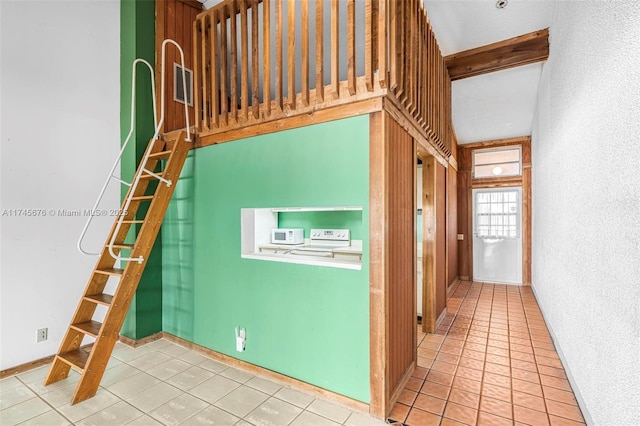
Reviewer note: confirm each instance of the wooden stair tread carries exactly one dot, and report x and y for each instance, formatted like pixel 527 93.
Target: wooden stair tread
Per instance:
pixel 110 271
pixel 92 328
pixel 102 299
pixel 162 155
pixel 76 358
pixel 142 198
pixel 122 246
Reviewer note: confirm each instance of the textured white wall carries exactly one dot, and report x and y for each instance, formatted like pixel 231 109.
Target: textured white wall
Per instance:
pixel 586 203
pixel 59 135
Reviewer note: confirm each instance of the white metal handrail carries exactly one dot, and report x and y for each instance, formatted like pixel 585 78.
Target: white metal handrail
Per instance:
pixel 142 169
pixel 124 146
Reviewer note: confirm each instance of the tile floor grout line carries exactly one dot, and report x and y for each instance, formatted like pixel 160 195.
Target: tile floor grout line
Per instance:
pixel 41 399
pixel 544 400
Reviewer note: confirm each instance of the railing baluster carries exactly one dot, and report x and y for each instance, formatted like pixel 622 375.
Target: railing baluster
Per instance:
pixel 279 79
pixel 304 15
pixel 423 68
pixel 255 64
pixel 266 57
pixel 198 91
pixel 432 85
pixel 402 50
pixel 224 97
pixel 351 47
pixel 411 32
pixel 418 46
pixel 233 75
pixel 394 59
pixel 291 51
pixel 205 87
pixel 244 64
pixel 375 29
pixel 319 51
pixel 215 89
pixel 335 46
pixel 368 45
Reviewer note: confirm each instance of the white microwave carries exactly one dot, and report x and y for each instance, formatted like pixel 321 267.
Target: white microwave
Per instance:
pixel 287 236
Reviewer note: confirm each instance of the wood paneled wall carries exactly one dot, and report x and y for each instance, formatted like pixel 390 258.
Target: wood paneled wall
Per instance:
pixel 174 20
pixel 452 224
pixel 434 234
pixel 402 255
pixel 463 216
pixel 465 185
pixel 392 260
pixel 441 239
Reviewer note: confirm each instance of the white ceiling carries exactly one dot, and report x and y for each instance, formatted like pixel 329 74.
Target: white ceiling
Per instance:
pixel 496 105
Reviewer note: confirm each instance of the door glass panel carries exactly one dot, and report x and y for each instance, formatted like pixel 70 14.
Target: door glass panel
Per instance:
pixel 497 215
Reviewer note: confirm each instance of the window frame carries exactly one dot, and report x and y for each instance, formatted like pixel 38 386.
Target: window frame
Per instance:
pixel 496 149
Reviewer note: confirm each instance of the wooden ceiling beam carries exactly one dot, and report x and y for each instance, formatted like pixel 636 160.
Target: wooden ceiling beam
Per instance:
pixel 514 52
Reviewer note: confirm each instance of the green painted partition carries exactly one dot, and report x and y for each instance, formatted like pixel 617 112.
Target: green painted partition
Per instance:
pixel 137 36
pixel 307 322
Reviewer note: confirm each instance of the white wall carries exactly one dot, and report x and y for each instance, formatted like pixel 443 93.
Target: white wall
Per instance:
pixel 586 203
pixel 59 133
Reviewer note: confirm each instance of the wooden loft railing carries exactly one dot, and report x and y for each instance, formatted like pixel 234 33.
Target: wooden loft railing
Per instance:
pixel 257 61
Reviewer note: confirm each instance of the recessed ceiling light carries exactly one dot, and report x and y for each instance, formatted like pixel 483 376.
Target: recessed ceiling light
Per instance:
pixel 501 4
pixel 497 170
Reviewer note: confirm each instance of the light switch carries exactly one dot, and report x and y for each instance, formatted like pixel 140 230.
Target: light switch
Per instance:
pixel 460 237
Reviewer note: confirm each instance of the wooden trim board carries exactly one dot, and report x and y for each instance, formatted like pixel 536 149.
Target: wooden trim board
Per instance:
pixel 19 369
pixel 134 343
pixel 293 122
pixel 523 181
pixel 255 369
pixel 378 261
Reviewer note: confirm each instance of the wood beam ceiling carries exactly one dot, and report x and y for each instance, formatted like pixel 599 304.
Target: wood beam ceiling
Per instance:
pixel 522 50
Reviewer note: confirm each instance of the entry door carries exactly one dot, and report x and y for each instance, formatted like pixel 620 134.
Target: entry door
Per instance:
pixel 497 235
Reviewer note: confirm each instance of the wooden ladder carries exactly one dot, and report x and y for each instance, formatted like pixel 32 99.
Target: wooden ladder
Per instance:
pixel 92 361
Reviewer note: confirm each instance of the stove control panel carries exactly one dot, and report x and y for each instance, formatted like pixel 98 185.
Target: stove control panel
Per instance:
pixel 330 235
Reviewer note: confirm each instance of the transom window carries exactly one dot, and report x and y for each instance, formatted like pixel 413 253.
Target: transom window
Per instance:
pixel 497 162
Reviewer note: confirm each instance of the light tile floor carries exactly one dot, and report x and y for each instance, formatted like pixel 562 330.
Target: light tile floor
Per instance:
pixel 162 383
pixel 490 362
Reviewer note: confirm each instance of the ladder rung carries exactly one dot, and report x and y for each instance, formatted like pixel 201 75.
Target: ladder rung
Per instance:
pixel 110 271
pixel 92 328
pixel 133 221
pixel 142 198
pixel 162 155
pixel 122 246
pixel 76 358
pixel 102 299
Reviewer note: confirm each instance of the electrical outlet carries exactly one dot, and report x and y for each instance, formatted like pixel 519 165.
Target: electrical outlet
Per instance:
pixel 42 334
pixel 241 337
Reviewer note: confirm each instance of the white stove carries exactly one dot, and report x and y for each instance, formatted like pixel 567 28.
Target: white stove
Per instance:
pixel 324 241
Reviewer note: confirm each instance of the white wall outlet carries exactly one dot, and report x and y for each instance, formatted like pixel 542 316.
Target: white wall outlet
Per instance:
pixel 460 237
pixel 241 339
pixel 42 334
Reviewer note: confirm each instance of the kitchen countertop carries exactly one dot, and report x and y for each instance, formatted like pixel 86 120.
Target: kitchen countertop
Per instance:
pixel 283 253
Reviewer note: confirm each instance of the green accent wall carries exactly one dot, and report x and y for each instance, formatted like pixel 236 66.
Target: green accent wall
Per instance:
pixel 351 220
pixel 137 40
pixel 306 322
